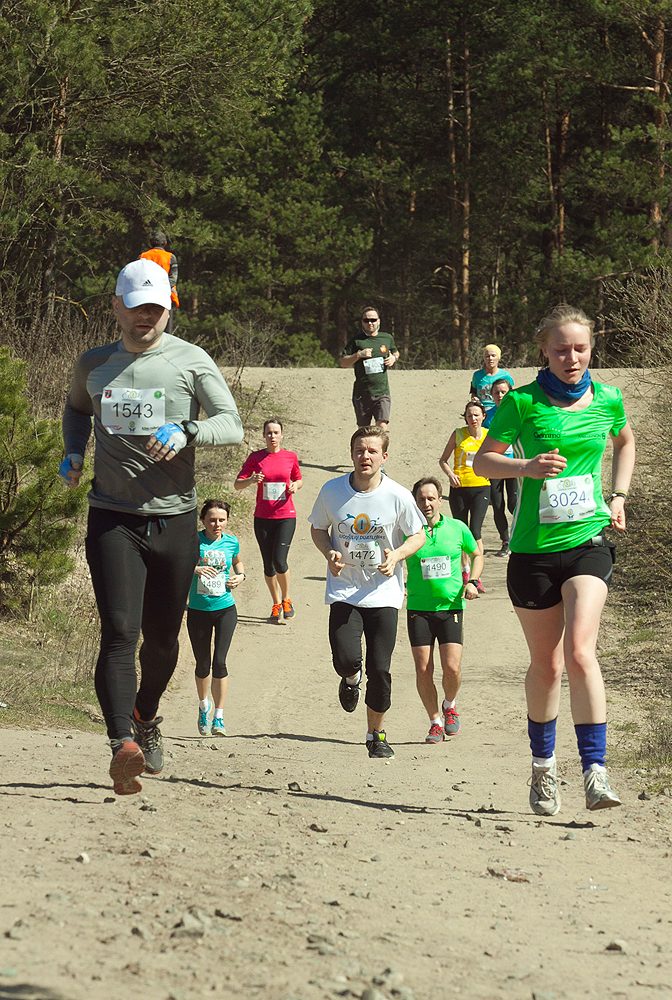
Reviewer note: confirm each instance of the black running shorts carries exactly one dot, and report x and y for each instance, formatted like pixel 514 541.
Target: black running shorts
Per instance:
pixel 426 627
pixel 534 580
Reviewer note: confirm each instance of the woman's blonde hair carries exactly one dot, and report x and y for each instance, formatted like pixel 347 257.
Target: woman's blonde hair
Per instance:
pixel 493 347
pixel 559 315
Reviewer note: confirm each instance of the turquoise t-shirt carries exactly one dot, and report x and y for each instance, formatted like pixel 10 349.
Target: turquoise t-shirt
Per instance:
pixel 210 593
pixel 434 581
pixel 559 513
pixel 481 383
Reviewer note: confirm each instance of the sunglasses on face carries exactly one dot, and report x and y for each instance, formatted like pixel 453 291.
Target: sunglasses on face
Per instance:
pixel 368 319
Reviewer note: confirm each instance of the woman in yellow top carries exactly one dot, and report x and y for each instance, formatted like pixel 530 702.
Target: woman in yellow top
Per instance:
pixel 469 496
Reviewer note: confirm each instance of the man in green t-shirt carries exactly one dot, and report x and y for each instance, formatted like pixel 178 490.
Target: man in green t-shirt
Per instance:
pixel 435 601
pixel 371 353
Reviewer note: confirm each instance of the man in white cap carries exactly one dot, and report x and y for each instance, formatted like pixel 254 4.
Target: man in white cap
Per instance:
pixel 142 394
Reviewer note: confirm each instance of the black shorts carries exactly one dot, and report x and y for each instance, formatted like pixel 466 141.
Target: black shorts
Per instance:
pixel 424 627
pixel 534 580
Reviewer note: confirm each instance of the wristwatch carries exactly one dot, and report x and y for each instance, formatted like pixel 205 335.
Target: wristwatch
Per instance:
pixel 190 428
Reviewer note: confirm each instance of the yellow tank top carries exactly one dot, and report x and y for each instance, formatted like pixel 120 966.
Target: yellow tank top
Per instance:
pixel 466 447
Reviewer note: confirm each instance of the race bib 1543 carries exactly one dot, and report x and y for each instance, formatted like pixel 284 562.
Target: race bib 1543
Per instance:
pixel 132 411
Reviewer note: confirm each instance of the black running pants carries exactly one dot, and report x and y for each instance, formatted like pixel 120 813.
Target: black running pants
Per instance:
pixel 141 570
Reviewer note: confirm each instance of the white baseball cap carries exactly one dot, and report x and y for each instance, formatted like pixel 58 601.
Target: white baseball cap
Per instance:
pixel 143 281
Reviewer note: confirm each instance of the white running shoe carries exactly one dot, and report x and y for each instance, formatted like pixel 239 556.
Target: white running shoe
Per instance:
pixel 599 793
pixel 544 789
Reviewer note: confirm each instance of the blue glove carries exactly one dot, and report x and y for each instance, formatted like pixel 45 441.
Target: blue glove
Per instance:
pixel 171 435
pixel 70 469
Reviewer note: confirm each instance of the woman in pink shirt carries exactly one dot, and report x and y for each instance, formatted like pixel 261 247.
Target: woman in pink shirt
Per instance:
pixel 277 476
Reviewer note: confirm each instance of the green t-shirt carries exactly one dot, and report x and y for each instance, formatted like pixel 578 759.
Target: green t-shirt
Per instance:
pixel 370 376
pixel 559 513
pixel 434 580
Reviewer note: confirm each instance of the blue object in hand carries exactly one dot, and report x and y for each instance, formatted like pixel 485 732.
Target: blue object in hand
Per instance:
pixel 171 436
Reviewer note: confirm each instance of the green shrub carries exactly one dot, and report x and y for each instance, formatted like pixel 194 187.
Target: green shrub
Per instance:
pixel 37 514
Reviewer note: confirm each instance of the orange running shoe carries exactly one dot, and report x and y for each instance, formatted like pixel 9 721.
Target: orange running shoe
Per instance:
pixel 288 609
pixel 276 614
pixel 128 761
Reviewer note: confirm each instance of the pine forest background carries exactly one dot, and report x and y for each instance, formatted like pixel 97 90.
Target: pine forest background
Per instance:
pixel 461 165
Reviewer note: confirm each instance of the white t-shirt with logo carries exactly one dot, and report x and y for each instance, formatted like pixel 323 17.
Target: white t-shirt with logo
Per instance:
pixel 362 525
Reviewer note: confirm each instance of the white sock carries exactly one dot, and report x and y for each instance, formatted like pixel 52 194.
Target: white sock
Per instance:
pixel 369 737
pixel 543 761
pixel 204 705
pixel 354 679
pixel 219 713
pixel 436 721
pixel 449 704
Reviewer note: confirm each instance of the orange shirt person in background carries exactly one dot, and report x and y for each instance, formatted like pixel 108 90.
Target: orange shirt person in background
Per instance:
pixel 165 259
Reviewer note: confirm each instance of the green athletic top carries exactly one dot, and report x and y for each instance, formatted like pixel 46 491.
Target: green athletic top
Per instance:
pixel 434 580
pixel 370 375
pixel 559 513
pixel 127 396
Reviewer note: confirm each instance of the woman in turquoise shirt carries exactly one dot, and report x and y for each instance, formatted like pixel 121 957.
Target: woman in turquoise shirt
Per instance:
pixel 212 612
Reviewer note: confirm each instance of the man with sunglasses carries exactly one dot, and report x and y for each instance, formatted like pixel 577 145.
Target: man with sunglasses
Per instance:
pixel 371 353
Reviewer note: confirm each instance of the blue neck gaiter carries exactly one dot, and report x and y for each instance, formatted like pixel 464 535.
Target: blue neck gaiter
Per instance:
pixel 558 389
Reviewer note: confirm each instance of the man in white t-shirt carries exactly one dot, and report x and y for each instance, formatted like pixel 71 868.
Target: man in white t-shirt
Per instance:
pixel 359 523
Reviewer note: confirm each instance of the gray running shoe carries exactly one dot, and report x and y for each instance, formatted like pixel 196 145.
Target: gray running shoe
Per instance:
pixel 599 793
pixel 504 551
pixel 451 721
pixel 544 791
pixel 148 738
pixel 435 734
pixel 378 746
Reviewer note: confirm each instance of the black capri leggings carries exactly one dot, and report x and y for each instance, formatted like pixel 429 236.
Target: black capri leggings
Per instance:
pixel 470 504
pixel 200 626
pixel 347 623
pixel 274 536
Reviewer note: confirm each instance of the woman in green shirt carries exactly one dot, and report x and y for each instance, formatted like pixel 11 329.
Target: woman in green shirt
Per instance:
pixel 561 562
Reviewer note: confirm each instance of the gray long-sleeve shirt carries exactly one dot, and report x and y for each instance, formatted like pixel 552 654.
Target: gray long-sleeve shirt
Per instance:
pixel 183 379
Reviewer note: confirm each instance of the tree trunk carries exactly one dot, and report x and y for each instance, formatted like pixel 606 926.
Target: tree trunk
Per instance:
pixel 59 118
pixel 657 48
pixel 465 333
pixel 452 203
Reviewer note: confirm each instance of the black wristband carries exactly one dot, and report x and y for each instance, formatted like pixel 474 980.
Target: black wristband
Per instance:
pixel 190 428
pixel 618 493
pixel 474 583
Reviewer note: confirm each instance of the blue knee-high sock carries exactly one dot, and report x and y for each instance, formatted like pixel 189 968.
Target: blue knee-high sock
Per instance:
pixel 591 738
pixel 542 737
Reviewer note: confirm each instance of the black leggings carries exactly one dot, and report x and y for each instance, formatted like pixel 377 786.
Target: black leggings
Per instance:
pixel 347 623
pixel 469 504
pixel 141 570
pixel 201 625
pixel 274 536
pixel 499 506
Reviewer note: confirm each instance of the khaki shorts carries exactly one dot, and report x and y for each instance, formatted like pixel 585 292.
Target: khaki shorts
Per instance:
pixel 368 409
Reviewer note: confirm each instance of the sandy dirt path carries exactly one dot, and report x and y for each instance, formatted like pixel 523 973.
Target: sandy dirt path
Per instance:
pixel 282 863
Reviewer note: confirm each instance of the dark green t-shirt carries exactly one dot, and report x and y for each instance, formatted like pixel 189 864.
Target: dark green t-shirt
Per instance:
pixel 370 375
